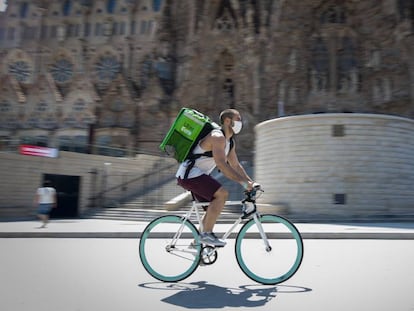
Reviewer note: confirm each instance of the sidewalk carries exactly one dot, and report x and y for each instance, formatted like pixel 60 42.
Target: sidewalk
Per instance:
pixel 97 228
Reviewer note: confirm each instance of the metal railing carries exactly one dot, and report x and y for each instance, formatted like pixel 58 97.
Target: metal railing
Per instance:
pixel 153 187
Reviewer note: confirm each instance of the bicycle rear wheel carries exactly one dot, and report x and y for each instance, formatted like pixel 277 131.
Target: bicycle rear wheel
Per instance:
pixel 276 263
pixel 168 248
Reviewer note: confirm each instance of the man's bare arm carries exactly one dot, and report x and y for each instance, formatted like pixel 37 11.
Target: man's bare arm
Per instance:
pixel 235 164
pixel 218 148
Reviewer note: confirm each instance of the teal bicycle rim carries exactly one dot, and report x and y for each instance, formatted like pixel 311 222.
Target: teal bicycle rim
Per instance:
pixel 146 235
pixel 292 232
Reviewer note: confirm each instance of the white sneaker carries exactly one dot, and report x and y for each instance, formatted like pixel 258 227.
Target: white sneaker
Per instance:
pixel 210 238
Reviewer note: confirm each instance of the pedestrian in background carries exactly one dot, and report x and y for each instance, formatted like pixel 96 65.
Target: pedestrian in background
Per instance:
pixel 45 200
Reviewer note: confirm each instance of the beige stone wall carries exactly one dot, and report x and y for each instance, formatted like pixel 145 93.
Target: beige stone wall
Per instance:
pixel 22 175
pixel 303 161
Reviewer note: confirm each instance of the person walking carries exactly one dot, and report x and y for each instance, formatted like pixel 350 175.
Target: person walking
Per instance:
pixel 45 200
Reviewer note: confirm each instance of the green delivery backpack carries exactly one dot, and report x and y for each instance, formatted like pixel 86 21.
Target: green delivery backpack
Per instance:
pixel 188 129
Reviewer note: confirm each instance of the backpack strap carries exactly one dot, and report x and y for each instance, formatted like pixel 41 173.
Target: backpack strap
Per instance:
pixel 193 157
pixel 192 163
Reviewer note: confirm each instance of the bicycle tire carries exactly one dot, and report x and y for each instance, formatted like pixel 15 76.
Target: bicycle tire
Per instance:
pixel 273 266
pixel 161 259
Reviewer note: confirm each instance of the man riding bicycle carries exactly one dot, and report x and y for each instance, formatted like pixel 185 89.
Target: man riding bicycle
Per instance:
pixel 218 150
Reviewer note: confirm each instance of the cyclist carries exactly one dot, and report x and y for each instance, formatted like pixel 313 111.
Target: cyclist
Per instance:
pixel 217 149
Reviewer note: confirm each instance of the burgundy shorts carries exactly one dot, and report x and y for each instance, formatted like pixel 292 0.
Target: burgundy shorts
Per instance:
pixel 203 187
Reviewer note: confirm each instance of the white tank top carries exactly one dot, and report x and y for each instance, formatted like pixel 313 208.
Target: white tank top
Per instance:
pixel 202 165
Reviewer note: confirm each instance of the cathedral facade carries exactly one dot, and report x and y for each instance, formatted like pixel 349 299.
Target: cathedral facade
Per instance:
pixel 114 73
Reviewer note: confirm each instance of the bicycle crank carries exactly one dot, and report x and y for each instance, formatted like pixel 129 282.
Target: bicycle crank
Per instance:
pixel 208 255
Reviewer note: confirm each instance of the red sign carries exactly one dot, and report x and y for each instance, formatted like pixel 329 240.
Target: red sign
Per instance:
pixel 38 151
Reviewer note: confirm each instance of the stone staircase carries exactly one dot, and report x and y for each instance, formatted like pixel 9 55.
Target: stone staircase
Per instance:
pixel 17 213
pixel 150 206
pixel 148 214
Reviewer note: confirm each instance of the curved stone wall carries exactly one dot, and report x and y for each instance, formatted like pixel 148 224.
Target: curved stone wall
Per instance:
pixel 337 165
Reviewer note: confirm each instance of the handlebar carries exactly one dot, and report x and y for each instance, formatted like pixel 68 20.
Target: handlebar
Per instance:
pixel 249 202
pixel 250 196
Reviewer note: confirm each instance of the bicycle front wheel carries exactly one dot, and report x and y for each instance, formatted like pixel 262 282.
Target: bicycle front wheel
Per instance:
pixel 168 248
pixel 271 258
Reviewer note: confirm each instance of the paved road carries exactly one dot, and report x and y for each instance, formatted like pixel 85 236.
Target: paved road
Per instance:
pixel 96 228
pixel 105 274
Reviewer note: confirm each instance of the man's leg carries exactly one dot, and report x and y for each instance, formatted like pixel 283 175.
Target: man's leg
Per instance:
pixel 214 209
pixel 207 189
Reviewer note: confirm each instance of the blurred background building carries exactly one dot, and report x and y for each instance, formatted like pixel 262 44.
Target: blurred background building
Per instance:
pixel 108 76
pixel 111 72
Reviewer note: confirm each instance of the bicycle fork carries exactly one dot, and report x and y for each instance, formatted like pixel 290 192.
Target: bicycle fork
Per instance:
pixel 262 233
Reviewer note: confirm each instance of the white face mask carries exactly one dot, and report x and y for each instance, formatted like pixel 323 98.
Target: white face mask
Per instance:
pixel 237 126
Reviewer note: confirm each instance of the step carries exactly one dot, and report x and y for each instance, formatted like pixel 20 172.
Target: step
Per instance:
pixel 146 214
pixel 16 212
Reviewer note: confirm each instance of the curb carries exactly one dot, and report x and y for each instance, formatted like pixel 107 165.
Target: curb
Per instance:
pixel 137 235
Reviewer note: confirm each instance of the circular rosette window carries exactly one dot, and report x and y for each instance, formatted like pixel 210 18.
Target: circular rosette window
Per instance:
pixel 62 70
pixel 107 67
pixel 21 70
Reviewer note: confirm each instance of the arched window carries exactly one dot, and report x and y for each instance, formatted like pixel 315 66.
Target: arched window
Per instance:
pixel 79 106
pixel 346 55
pixel 80 143
pixel 320 55
pixel 156 5
pixel 65 143
pixel 165 70
pixel 110 6
pixel 5 107
pixel 319 75
pixel 145 72
pixel 228 90
pixel 42 107
pixel 23 9
pixel 67 7
pixel 228 61
pixel 104 143
pixel 335 69
pixel 334 15
pixel 406 9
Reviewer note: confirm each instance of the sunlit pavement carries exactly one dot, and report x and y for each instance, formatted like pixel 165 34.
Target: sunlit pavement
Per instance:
pixel 98 228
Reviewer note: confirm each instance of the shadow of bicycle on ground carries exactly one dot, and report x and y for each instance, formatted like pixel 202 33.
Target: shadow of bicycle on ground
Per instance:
pixel 201 295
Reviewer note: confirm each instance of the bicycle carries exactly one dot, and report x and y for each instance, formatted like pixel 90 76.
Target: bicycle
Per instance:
pixel 268 248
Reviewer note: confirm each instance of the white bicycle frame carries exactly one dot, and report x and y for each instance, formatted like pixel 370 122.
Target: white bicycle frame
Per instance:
pixel 195 210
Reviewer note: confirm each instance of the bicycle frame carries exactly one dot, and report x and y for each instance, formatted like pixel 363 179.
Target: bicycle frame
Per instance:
pixel 195 210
